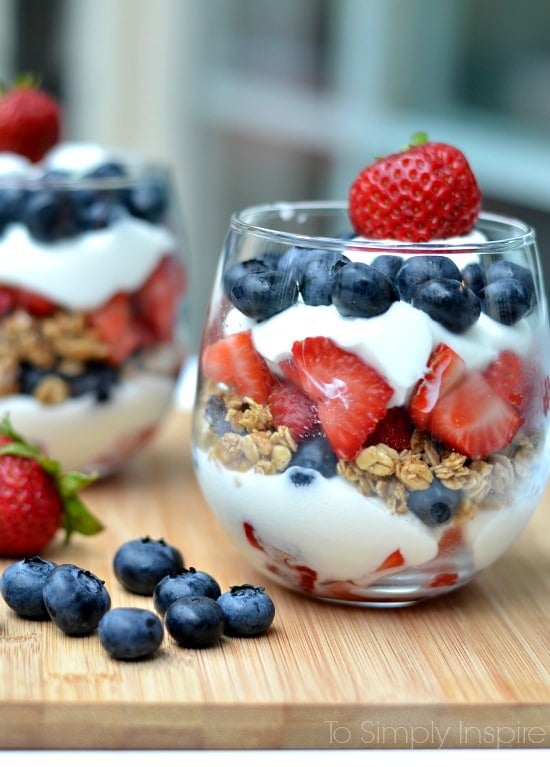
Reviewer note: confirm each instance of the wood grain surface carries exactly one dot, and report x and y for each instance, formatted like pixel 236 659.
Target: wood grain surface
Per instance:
pixel 468 670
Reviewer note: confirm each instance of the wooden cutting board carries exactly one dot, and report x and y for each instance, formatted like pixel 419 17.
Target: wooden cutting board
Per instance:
pixel 471 669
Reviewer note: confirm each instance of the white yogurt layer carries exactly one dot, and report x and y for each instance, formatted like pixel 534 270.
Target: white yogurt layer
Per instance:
pixel 80 431
pixel 81 273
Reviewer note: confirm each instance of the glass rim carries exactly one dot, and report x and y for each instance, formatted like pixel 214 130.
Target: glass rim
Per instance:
pixel 242 222
pixel 134 173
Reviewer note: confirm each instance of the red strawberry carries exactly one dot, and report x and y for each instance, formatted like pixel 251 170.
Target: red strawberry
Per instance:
pixel 395 559
pixel 37 498
pixel 506 375
pixel 290 407
pixel 234 361
pixel 351 396
pixel 395 430
pixel 473 419
pixel 157 302
pixel 30 121
pixel 425 192
pixel 115 326
pixel 34 303
pixel 445 369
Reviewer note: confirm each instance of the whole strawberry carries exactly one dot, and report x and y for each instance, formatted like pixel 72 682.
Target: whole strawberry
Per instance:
pixel 427 191
pixel 37 498
pixel 30 120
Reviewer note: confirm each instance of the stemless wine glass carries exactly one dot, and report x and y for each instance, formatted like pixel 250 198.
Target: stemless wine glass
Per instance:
pixel 371 418
pixel 92 286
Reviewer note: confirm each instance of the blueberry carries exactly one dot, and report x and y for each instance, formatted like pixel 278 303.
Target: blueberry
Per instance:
pixel 10 204
pixel 449 302
pixel 388 264
pixel 318 276
pixel 473 277
pixel 195 621
pixel 360 290
pixel 100 213
pixel 316 454
pixel 130 633
pixel 75 599
pixel 260 295
pixel 141 563
pixel 239 270
pixel 419 269
pixel 185 583
pixel 248 610
pixel 107 170
pixel 502 270
pixel 49 215
pixel 506 300
pixel 292 263
pixel 21 586
pixel 148 202
pixel 435 505
pixel 96 378
pixel 215 412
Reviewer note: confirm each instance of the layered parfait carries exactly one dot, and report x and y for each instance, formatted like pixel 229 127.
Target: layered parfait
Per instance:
pixel 372 407
pixel 91 284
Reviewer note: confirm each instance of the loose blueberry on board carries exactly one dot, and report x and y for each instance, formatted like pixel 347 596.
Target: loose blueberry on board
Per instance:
pixel 130 633
pixel 314 454
pixel 388 264
pixel 21 586
pixel 449 302
pixel 75 599
pixel 248 610
pixel 141 563
pixel 435 505
pixel 419 269
pixel 195 622
pixel 260 295
pixel 185 583
pixel 506 300
pixel 318 274
pixel 360 290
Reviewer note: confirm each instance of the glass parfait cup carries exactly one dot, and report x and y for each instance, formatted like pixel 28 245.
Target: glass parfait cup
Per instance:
pixel 371 418
pixel 92 300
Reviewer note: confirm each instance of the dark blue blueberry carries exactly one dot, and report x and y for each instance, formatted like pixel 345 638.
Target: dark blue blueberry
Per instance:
pixel 314 453
pixel 388 264
pixel 318 276
pixel 96 378
pixel 292 263
pixel 419 269
pixel 449 302
pixel 148 201
pixel 11 200
pixel 239 270
pixel 21 586
pixel 502 270
pixel 215 412
pixel 248 610
pixel 506 300
pixel 141 563
pixel 99 212
pixel 130 633
pixel 195 621
pixel 473 277
pixel 360 290
pixel 435 505
pixel 185 583
pixel 260 295
pixel 75 599
pixel 49 215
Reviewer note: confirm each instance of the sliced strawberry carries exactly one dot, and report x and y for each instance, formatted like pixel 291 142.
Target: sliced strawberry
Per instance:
pixel 7 300
pixel 395 429
pixel 450 541
pixel 473 419
pixel 395 559
pixel 157 302
pixel 442 579
pixel 290 407
pixel 351 396
pixel 445 368
pixel 34 303
pixel 114 325
pixel 234 361
pixel 506 375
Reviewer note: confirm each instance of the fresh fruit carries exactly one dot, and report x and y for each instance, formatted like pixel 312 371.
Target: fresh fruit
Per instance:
pixel 157 302
pixel 388 264
pixel 130 633
pixel 21 586
pixel 49 215
pixel 427 191
pixel 473 419
pixel 195 622
pixel 507 376
pixel 75 599
pixel 262 294
pixel 506 300
pixel 395 559
pixel 215 414
pixel 449 302
pixel 248 610
pixel 37 498
pixel 319 271
pixel 473 277
pixel 234 361
pixel 360 290
pixel 141 563
pixel 115 326
pixel 419 269
pixel 435 505
pixel 395 430
pixel 313 454
pixel 351 396
pixel 148 201
pixel 291 407
pixel 30 120
pixel 444 369
pixel 185 583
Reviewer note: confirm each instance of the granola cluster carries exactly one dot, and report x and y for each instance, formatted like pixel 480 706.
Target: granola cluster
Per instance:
pixel 63 342
pixel 252 442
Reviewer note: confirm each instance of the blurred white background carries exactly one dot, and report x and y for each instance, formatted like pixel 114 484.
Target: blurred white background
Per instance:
pixel 259 100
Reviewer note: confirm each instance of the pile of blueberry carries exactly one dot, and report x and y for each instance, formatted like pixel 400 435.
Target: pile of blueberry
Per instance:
pixel 264 286
pixel 187 602
pixel 51 212
pixel 96 378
